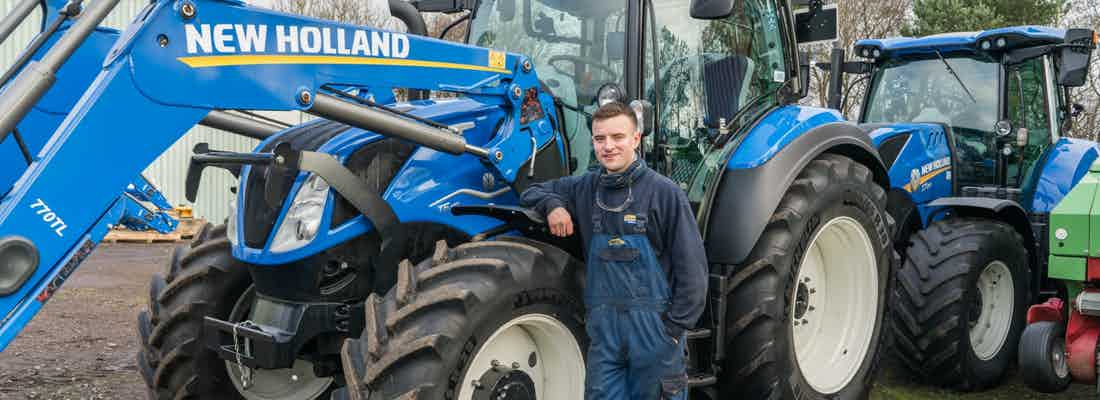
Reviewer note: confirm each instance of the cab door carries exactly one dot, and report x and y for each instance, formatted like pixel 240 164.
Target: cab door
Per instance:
pixel 1030 105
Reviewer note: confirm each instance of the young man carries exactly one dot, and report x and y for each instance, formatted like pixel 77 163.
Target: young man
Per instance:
pixel 646 272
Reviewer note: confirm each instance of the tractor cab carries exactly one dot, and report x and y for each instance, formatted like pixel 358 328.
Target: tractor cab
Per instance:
pixel 702 77
pixel 1003 95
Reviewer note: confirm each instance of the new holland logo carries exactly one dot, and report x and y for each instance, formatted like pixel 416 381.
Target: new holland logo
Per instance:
pixel 251 38
pixel 918 177
pixel 217 45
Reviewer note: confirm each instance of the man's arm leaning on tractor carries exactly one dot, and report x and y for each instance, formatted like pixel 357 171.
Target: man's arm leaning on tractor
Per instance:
pixel 547 197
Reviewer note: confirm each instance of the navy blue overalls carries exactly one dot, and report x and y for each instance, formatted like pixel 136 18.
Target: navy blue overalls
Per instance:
pixel 626 293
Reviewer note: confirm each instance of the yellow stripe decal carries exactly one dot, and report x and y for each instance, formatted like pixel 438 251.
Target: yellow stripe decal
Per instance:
pixel 225 61
pixel 925 178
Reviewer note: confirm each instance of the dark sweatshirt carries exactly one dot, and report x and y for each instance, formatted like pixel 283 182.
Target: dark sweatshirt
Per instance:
pixel 673 232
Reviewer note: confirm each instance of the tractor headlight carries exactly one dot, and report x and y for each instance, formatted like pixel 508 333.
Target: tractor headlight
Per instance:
pixel 231 224
pixel 303 219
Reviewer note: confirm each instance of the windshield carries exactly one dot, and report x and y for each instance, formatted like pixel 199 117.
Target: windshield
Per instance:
pixel 576 46
pixel 926 91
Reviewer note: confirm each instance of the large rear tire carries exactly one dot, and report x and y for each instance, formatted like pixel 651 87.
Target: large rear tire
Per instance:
pixel 960 302
pixel 805 312
pixel 203 279
pixel 486 318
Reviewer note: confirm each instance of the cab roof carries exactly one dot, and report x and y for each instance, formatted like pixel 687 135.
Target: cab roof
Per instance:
pixel 991 40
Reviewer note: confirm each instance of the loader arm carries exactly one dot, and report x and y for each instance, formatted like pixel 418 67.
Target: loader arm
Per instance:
pixel 178 61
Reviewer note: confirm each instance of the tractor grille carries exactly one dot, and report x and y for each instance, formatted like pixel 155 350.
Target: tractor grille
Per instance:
pixel 259 215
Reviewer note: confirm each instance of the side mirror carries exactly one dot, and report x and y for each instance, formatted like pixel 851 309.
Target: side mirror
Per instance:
pixel 815 22
pixel 711 9
pixel 507 9
pixel 643 110
pixel 1075 57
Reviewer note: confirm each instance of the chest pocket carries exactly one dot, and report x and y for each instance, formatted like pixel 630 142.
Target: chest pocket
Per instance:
pixel 619 254
pixel 634 223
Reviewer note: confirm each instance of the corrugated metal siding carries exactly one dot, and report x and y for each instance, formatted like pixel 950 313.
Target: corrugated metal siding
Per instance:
pixel 169 171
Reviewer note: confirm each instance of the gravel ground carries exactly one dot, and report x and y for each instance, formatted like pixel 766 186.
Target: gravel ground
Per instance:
pixel 83 343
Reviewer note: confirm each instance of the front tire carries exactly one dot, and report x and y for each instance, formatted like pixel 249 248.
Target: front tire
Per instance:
pixel 960 302
pixel 805 311
pixel 203 279
pixel 492 318
pixel 1043 363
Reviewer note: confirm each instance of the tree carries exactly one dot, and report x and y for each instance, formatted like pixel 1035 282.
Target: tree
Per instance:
pixel 939 16
pixel 1086 14
pixel 857 19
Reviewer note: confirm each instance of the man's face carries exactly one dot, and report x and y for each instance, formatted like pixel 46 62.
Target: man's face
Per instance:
pixel 615 140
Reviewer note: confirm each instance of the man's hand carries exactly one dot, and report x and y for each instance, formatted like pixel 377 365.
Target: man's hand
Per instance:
pixel 561 223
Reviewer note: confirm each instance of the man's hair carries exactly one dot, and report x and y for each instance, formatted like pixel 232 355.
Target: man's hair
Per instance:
pixel 615 109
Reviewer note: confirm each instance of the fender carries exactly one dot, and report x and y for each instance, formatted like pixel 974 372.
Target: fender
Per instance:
pixel 1006 211
pixel 1062 167
pixel 747 197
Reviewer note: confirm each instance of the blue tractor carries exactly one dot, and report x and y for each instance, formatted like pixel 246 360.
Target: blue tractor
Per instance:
pixel 378 252
pixel 975 130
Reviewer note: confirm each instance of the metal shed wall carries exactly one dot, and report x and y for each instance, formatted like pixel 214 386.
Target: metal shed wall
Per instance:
pixel 169 171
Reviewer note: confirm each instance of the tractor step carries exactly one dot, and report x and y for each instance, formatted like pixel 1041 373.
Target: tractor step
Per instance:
pixel 701 333
pixel 701 380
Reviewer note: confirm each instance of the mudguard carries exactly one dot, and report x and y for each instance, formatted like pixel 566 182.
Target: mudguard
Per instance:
pixel 1065 164
pixel 769 159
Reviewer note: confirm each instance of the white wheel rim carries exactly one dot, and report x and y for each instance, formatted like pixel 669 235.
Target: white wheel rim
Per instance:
pixel 297 382
pixel 558 373
pixel 1058 358
pixel 834 305
pixel 989 331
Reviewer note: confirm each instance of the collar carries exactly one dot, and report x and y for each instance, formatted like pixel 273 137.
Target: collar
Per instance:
pixel 625 178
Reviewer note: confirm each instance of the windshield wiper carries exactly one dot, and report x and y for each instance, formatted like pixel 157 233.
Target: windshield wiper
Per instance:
pixel 956 75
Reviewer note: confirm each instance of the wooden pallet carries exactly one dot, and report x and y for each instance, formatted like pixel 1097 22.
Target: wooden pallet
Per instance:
pixel 126 235
pixel 188 227
pixel 186 230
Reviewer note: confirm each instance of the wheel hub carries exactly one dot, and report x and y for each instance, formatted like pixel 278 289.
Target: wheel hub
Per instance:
pixel 801 300
pixel 991 312
pixel 533 356
pixel 502 383
pixel 1058 358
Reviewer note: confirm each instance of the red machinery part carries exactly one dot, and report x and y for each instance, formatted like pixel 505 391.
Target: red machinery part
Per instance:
pixel 1051 311
pixel 1092 270
pixel 1081 337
